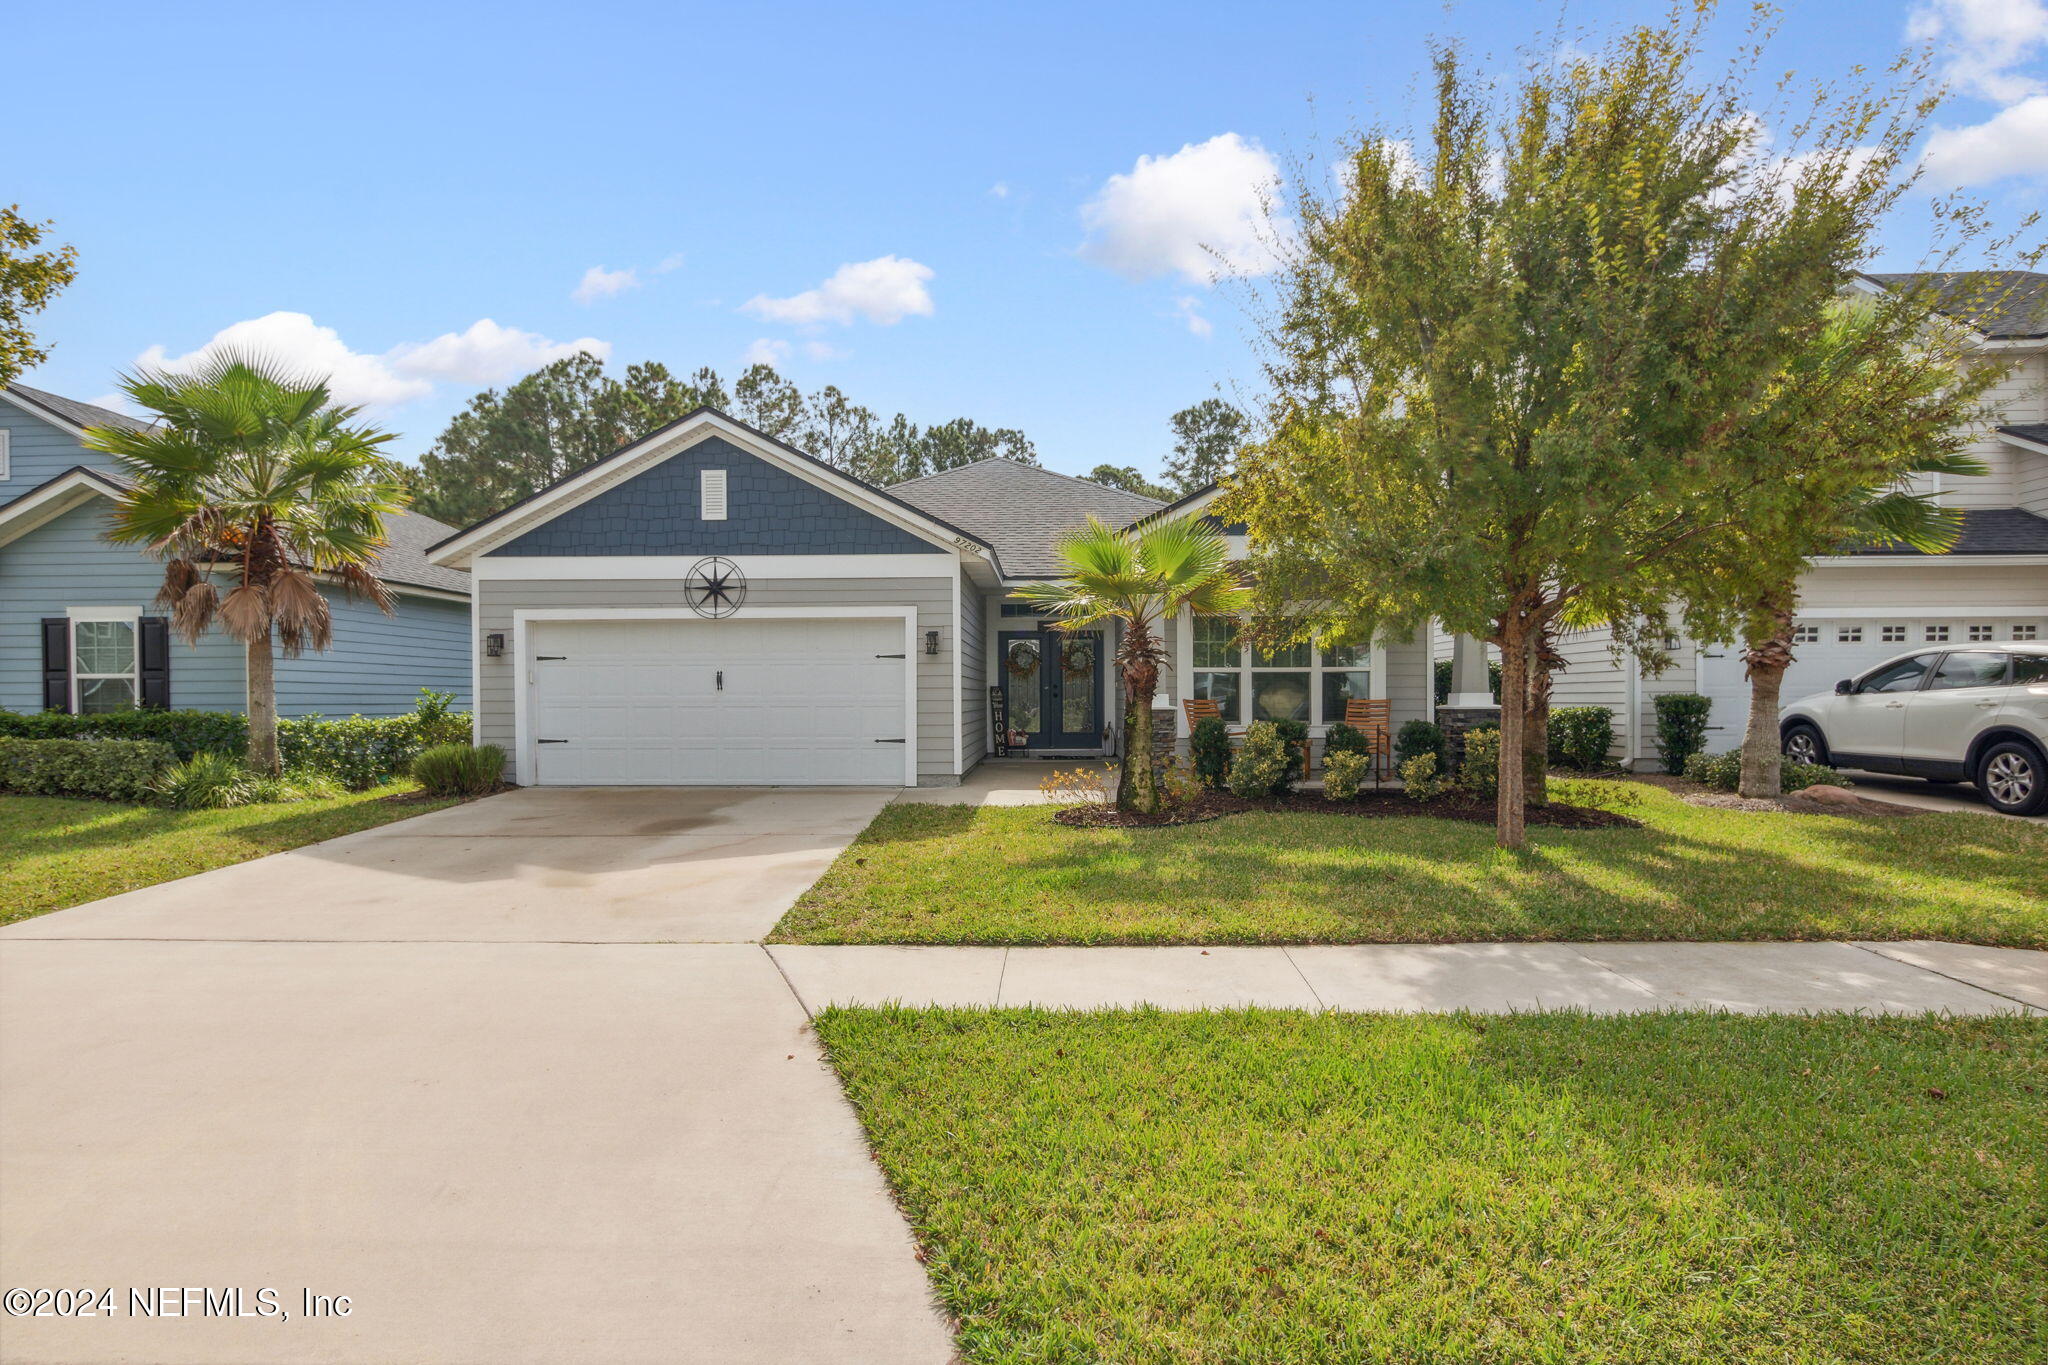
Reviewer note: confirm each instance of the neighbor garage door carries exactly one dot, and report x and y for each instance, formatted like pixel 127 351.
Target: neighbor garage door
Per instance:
pixel 1831 648
pixel 734 702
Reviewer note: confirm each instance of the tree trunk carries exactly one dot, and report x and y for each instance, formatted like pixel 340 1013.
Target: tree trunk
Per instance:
pixel 1137 784
pixel 1766 654
pixel 1536 722
pixel 263 706
pixel 1509 816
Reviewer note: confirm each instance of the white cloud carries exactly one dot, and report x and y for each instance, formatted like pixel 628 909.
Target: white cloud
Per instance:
pixel 599 283
pixel 822 350
pixel 2013 141
pixel 1985 40
pixel 295 340
pixel 484 354
pixel 885 291
pixel 1201 208
pixel 1188 309
pixel 999 190
pixel 487 353
pixel 672 261
pixel 766 351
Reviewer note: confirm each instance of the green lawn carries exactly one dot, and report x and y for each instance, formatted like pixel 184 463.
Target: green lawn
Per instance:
pixel 56 852
pixel 1272 1187
pixel 961 874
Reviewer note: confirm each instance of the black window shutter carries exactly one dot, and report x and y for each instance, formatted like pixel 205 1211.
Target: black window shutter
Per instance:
pixel 153 636
pixel 57 663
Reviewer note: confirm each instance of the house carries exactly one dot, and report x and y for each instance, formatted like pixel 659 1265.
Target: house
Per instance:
pixel 79 632
pixel 1859 608
pixel 709 605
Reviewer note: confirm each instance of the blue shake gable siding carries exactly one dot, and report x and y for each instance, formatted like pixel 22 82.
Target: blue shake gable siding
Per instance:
pixel 40 452
pixel 376 667
pixel 768 511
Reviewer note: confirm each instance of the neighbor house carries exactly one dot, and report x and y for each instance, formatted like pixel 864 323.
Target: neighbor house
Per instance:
pixel 710 605
pixel 79 631
pixel 1861 607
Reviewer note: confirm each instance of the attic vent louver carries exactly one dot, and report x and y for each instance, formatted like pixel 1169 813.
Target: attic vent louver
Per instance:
pixel 711 494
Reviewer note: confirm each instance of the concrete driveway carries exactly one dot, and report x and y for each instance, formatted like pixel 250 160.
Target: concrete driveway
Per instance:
pixel 507 1077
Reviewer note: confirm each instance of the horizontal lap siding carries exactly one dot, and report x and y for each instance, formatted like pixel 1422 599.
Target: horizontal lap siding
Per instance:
pixel 973 675
pixel 937 744
pixel 377 666
pixel 1932 590
pixel 1408 682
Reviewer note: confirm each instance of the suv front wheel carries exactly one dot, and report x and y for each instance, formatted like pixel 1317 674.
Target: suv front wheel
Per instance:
pixel 1802 744
pixel 2014 778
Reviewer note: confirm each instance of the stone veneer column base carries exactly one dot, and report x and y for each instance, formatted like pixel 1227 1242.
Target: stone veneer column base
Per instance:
pixel 1454 721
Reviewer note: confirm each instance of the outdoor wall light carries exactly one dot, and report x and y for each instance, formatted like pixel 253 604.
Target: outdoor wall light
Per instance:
pixel 494 645
pixel 931 642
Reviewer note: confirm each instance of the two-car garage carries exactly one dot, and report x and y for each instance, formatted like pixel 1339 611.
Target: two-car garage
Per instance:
pixel 755 700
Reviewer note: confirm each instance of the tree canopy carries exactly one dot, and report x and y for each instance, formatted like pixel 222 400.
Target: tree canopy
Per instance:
pixel 1206 436
pixel 507 445
pixel 1517 362
pixel 29 279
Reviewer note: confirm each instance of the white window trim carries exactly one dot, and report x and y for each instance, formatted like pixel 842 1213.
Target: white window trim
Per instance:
pixel 133 616
pixel 1317 668
pixel 6 460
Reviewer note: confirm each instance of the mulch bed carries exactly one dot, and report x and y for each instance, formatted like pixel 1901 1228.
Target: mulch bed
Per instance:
pixel 1214 805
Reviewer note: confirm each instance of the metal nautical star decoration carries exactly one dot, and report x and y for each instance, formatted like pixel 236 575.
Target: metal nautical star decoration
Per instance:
pixel 714 587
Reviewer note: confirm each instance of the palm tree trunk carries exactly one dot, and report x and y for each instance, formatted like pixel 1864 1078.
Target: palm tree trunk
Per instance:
pixel 1137 786
pixel 263 706
pixel 1510 818
pixel 1767 653
pixel 1536 722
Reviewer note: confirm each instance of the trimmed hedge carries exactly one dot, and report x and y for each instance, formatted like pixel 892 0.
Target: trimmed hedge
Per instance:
pixel 356 751
pixel 1209 746
pixel 187 732
pixel 1681 728
pixel 1418 737
pixel 1724 771
pixel 104 769
pixel 1581 735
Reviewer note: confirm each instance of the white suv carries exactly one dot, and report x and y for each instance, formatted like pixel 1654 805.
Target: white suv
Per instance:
pixel 1976 714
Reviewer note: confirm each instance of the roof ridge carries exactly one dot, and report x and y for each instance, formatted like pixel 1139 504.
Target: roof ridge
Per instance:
pixel 1035 468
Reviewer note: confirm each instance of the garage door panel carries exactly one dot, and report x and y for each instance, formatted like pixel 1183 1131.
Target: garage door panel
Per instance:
pixel 771 702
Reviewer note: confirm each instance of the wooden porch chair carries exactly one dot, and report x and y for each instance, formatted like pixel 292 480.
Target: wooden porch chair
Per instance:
pixel 1374 719
pixel 1199 709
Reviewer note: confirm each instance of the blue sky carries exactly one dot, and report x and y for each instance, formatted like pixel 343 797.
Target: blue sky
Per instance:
pixel 947 210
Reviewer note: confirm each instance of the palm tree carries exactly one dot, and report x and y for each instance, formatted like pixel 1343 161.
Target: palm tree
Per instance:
pixel 254 474
pixel 1140 578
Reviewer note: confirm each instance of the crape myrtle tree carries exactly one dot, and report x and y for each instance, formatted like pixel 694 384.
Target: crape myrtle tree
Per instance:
pixel 1881 397
pixel 1512 362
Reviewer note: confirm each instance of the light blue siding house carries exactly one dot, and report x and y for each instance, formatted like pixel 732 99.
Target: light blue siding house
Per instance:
pixel 79 630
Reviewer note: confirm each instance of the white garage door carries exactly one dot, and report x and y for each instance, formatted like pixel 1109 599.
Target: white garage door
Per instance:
pixel 746 702
pixel 1833 648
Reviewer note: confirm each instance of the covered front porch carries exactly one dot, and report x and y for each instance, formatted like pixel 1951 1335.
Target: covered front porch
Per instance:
pixel 1053 693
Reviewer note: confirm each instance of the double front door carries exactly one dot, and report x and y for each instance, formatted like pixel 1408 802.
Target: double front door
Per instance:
pixel 1052 688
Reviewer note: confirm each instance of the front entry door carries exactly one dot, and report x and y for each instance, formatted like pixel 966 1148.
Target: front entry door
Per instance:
pixel 1052 688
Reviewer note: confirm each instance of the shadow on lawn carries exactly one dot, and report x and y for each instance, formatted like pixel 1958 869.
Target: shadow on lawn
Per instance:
pixel 1422 880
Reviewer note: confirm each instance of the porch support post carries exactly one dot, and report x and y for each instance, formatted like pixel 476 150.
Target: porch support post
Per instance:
pixel 1470 688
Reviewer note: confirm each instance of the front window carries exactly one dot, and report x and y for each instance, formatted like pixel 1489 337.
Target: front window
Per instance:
pixel 1285 683
pixel 1969 668
pixel 103 660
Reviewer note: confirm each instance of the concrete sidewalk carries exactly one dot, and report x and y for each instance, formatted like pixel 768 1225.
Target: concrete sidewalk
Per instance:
pixel 1603 978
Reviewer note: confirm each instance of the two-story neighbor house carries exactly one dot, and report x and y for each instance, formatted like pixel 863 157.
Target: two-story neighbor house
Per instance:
pixel 709 605
pixel 79 631
pixel 1859 608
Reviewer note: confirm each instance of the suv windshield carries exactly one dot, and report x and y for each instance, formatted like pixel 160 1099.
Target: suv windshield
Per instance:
pixel 1970 668
pixel 1903 676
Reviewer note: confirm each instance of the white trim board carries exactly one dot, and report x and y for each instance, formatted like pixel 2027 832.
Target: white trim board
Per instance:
pixel 2022 442
pixel 1909 561
pixel 522 661
pixel 667 443
pixel 73 488
pixel 527 568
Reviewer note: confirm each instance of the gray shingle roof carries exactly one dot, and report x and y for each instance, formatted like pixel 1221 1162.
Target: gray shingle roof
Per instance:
pixel 2037 432
pixel 1990 531
pixel 71 410
pixel 1020 509
pixel 2005 305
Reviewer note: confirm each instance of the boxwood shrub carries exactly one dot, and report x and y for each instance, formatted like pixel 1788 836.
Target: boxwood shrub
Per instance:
pixel 187 732
pixel 105 769
pixel 1725 772
pixel 1681 728
pixel 1580 736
